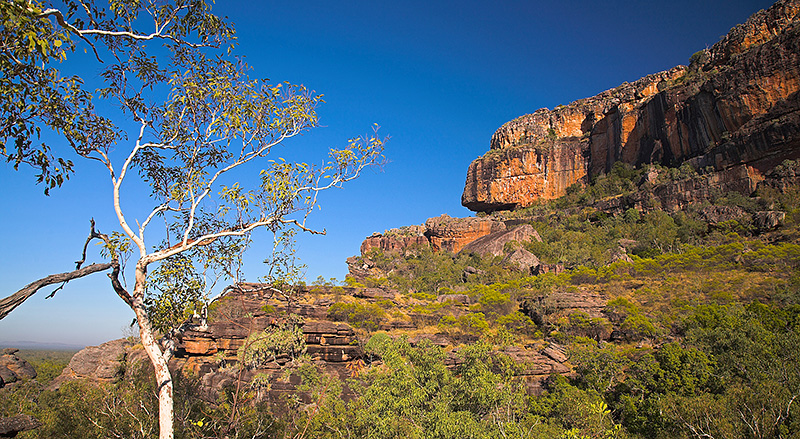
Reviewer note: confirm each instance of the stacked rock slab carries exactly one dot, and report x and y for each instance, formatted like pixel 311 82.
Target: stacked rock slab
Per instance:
pixel 735 110
pixel 206 350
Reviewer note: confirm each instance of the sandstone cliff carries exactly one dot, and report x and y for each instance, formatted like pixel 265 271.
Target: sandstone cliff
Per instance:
pixel 735 106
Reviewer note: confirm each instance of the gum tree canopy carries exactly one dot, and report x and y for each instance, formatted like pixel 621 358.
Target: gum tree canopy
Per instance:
pixel 189 122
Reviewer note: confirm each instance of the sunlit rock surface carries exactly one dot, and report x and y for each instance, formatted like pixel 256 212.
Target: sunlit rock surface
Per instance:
pixel 734 108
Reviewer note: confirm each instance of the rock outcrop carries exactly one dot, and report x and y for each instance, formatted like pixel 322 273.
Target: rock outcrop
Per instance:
pixel 13 368
pixel 451 234
pixel 9 427
pixel 482 236
pixel 209 350
pixel 734 110
pixel 539 364
pixel 102 364
pixel 398 240
pixel 440 233
pixel 494 243
pixel 676 195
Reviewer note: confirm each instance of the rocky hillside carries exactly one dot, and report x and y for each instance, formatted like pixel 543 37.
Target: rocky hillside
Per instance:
pixel 734 111
pixel 332 340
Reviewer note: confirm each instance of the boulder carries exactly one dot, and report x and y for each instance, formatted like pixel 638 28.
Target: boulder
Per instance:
pixel 469 272
pixel 715 215
pixel 768 220
pixel 374 293
pixel 13 368
pixel 621 252
pixel 524 260
pixel 104 363
pixel 537 364
pixel 555 352
pixel 9 427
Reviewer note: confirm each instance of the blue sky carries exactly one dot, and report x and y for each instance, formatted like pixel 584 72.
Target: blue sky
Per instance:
pixel 438 77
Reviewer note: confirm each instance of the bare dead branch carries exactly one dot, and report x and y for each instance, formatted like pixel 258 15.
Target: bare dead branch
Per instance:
pixel 92 235
pixel 9 303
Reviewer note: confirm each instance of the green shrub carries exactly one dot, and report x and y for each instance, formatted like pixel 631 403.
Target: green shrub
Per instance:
pixel 368 316
pixel 265 346
pixel 473 323
pixel 518 322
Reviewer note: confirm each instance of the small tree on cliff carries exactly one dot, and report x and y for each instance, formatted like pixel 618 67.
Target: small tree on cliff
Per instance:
pixel 193 125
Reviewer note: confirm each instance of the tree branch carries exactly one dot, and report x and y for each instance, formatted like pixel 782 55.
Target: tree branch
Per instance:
pixel 240 161
pixel 61 21
pixel 137 239
pixel 9 303
pixel 82 33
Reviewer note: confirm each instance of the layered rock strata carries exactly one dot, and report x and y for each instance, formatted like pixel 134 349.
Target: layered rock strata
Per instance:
pixel 440 233
pixel 735 106
pixel 482 236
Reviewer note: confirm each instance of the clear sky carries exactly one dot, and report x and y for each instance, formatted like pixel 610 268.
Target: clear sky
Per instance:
pixel 438 76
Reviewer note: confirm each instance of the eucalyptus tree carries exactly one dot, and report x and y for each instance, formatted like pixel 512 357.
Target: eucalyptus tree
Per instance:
pixel 192 124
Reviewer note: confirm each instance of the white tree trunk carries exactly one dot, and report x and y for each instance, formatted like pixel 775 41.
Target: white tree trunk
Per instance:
pixel 157 358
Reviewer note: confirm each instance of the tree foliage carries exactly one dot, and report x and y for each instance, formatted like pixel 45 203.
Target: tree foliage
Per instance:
pixel 38 97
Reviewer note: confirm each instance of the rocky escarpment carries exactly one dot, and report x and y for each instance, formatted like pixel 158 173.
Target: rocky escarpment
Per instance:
pixel 334 346
pixel 735 106
pixel 481 236
pixel 210 350
pixel 440 233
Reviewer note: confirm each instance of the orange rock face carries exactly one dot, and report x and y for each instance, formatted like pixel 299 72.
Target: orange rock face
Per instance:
pixel 452 234
pixel 440 233
pixel 736 105
pixel 392 243
pixel 519 176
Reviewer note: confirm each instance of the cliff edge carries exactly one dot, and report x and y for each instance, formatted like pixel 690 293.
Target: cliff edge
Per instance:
pixel 735 107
